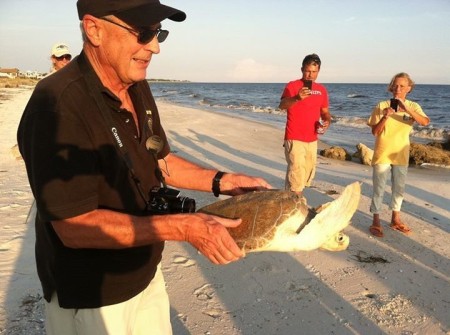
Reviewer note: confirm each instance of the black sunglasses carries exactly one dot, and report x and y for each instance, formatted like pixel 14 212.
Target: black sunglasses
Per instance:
pixel 66 57
pixel 144 36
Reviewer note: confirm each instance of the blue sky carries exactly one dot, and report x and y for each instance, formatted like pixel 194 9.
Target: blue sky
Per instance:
pixel 358 41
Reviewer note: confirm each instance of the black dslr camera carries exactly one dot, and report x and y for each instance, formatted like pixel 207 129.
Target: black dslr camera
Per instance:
pixel 164 200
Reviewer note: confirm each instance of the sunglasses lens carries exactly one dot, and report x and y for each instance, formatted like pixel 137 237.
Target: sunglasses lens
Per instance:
pixel 162 35
pixel 145 36
pixel 66 57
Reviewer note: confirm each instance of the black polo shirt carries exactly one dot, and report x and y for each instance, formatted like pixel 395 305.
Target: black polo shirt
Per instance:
pixel 74 167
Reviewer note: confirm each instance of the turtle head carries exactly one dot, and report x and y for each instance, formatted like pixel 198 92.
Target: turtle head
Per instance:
pixel 336 242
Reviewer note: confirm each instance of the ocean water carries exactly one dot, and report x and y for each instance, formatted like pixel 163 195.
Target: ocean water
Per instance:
pixel 350 106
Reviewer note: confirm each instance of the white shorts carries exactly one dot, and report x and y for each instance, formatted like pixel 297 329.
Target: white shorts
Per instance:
pixel 146 313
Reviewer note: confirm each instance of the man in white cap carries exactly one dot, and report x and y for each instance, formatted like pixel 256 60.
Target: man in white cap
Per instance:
pixel 98 162
pixel 60 56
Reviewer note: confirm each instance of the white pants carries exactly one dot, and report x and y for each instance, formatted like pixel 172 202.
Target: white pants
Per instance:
pixel 147 313
pixel 380 176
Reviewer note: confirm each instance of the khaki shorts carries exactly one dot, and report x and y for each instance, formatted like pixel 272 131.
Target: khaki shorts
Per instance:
pixel 146 313
pixel 301 158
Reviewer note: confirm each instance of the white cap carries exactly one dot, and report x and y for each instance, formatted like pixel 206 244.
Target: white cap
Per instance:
pixel 60 49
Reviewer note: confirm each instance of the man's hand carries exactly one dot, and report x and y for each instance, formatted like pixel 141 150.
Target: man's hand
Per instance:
pixel 235 184
pixel 208 234
pixel 303 93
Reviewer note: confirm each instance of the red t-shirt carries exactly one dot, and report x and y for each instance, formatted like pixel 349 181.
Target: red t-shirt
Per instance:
pixel 302 115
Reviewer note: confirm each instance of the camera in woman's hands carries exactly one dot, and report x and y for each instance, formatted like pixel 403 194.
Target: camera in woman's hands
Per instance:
pixel 394 104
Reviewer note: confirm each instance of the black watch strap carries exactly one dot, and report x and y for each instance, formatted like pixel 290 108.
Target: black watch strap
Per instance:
pixel 216 183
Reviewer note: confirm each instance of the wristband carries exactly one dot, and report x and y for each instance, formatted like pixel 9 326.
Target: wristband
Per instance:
pixel 216 183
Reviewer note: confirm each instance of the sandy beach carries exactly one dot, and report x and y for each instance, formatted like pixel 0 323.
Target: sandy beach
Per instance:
pixel 395 285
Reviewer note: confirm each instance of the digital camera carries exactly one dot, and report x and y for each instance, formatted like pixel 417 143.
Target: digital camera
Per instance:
pixel 307 84
pixel 164 200
pixel 394 104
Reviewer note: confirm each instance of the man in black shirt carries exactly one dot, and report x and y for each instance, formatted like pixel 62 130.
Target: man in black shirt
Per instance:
pixel 92 142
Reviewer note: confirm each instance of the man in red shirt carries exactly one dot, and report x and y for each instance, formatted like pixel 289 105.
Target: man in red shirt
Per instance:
pixel 307 112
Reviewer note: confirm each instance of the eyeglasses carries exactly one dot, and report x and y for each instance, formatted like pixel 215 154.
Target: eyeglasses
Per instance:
pixel 64 57
pixel 144 36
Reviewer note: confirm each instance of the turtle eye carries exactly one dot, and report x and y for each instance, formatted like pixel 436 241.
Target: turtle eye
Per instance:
pixel 340 238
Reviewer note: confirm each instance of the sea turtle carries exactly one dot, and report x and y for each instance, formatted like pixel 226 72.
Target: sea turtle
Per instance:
pixel 277 220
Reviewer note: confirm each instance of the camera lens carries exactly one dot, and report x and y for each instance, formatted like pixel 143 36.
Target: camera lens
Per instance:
pixel 186 205
pixel 167 201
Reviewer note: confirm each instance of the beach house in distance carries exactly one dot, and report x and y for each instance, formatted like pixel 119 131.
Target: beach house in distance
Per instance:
pixel 9 73
pixel 16 73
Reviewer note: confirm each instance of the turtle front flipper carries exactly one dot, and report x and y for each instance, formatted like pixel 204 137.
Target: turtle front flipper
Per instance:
pixel 324 231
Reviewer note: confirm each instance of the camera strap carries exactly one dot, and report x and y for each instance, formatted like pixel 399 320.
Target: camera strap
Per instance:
pixel 90 79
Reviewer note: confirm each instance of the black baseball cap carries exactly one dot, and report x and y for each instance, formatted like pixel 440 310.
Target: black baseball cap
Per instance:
pixel 137 13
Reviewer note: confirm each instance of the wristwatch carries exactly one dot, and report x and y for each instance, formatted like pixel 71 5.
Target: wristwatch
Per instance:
pixel 216 183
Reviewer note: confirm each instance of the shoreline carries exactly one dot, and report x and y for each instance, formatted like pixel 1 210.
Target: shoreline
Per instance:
pixel 395 285
pixel 324 142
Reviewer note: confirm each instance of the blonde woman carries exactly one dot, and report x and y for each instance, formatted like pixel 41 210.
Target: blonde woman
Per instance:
pixel 391 123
